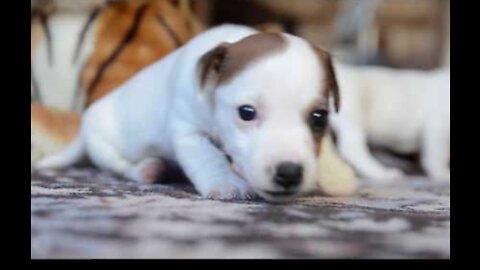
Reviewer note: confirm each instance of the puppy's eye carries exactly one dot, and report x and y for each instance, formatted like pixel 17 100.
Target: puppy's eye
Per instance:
pixel 247 112
pixel 318 119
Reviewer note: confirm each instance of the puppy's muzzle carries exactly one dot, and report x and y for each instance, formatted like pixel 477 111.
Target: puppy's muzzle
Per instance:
pixel 288 175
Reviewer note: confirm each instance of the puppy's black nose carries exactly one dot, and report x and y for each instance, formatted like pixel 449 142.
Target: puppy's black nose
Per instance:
pixel 288 174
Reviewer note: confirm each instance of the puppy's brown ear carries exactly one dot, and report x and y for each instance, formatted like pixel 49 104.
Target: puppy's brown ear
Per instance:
pixel 270 27
pixel 331 85
pixel 209 67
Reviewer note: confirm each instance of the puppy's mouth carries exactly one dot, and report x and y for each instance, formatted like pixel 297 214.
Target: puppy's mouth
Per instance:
pixel 280 193
pixel 278 196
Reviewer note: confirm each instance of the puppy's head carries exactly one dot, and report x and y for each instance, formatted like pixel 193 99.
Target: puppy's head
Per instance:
pixel 269 95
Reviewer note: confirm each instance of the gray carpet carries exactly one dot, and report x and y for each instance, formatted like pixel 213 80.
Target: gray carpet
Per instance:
pixel 84 213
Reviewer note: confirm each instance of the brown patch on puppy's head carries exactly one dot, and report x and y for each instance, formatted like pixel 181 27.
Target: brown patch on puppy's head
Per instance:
pixel 270 27
pixel 331 86
pixel 221 64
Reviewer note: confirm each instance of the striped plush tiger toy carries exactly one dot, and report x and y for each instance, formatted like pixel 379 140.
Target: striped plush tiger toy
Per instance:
pixel 81 50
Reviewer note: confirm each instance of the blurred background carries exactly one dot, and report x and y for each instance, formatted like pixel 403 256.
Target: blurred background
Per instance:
pixel 396 33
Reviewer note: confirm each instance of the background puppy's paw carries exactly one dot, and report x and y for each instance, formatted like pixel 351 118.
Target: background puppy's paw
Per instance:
pixel 387 175
pixel 336 177
pixel 340 186
pixel 440 176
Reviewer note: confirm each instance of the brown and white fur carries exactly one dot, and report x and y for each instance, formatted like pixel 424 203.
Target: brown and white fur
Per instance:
pixel 185 109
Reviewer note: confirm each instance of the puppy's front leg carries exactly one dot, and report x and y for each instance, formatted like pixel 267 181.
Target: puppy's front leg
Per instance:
pixel 435 155
pixel 208 169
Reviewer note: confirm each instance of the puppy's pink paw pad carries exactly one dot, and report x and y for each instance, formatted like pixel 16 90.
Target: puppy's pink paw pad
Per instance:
pixel 151 170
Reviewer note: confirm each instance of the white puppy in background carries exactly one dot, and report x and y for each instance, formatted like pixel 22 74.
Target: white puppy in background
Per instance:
pixel 260 99
pixel 406 111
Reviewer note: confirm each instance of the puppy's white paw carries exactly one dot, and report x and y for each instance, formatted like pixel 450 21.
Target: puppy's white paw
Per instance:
pixel 231 189
pixel 440 176
pixel 340 186
pixel 336 178
pixel 387 175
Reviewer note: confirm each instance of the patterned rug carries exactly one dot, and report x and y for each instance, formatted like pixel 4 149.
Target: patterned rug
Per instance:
pixel 84 213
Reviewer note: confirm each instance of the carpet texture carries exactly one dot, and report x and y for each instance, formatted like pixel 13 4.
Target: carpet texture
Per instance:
pixel 85 213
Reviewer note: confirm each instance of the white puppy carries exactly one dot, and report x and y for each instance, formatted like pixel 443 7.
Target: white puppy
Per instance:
pixel 241 112
pixel 405 111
